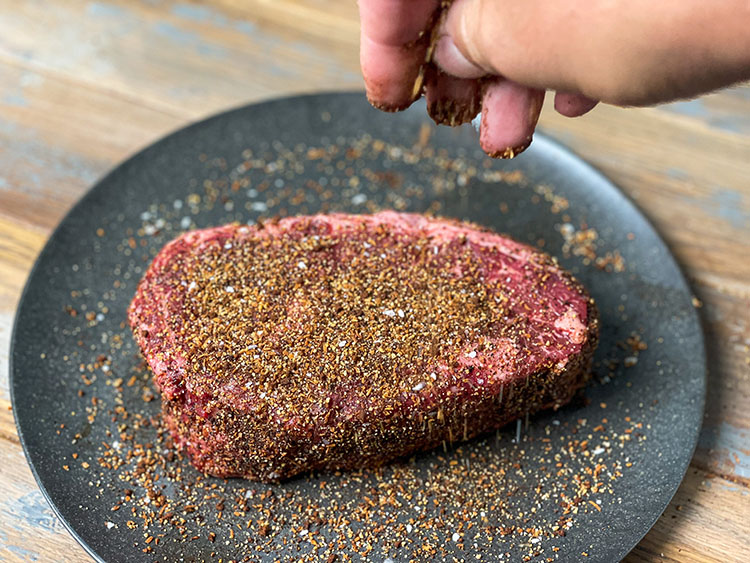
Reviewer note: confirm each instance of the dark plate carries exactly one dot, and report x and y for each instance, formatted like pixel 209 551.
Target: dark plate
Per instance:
pixel 591 478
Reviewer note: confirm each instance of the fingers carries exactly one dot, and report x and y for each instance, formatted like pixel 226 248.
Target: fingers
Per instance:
pixel 395 38
pixel 509 111
pixel 451 100
pixel 391 74
pixel 573 105
pixel 393 47
pixel 509 115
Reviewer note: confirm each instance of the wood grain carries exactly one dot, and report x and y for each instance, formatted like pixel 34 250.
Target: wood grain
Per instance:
pixel 692 529
pixel 85 84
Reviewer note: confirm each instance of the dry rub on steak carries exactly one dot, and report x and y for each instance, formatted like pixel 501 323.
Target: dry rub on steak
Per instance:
pixel 342 341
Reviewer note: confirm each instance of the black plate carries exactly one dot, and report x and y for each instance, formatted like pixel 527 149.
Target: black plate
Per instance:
pixel 592 477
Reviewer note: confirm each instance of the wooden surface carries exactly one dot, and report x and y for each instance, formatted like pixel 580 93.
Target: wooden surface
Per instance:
pixel 85 84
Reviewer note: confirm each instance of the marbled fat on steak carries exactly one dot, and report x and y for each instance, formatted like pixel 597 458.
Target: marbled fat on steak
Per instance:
pixel 342 341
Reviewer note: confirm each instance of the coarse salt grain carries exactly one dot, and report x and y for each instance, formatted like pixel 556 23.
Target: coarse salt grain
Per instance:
pixel 456 536
pixel 389 313
pixel 301 265
pixel 418 386
pixel 472 354
pixel 630 361
pixel 229 289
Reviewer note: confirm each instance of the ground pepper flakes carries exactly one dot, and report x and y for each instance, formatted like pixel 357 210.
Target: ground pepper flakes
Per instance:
pixel 439 492
pixel 344 341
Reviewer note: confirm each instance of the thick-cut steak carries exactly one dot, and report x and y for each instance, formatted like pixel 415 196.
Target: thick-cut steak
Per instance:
pixel 342 341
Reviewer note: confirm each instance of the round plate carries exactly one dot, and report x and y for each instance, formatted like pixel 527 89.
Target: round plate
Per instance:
pixel 586 481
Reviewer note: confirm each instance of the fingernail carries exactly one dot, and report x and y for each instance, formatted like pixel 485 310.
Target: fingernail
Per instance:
pixel 451 60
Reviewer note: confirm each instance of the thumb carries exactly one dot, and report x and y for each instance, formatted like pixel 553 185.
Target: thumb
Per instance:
pixel 458 49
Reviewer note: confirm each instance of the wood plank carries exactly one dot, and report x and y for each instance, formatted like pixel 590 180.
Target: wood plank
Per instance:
pixel 724 444
pixel 325 20
pixel 727 111
pixel 29 530
pixel 19 246
pixel 60 137
pixel 705 522
pixel 690 179
pixel 155 54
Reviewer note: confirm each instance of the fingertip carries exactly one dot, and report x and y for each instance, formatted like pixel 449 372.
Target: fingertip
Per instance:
pixel 573 105
pixel 393 46
pixel 509 116
pixel 450 100
pixel 391 74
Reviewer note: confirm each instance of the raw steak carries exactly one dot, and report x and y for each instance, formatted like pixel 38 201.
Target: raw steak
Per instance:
pixel 341 341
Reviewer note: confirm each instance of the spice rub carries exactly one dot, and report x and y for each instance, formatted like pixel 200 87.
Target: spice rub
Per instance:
pixel 342 341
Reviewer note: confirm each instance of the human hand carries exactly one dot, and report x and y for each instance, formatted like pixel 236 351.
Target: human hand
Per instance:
pixel 501 55
pixel 400 39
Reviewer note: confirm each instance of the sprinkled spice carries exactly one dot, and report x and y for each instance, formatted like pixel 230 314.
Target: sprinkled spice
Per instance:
pixel 268 369
pixel 506 499
pixel 583 243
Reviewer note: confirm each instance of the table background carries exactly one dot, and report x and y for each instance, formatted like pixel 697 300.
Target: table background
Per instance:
pixel 83 85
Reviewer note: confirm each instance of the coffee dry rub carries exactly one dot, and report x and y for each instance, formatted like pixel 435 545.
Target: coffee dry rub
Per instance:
pixel 342 341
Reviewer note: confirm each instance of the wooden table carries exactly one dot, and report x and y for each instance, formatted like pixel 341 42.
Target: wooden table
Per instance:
pixel 85 84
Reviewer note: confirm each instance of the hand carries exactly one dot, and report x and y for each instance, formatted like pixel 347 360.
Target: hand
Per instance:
pixel 501 55
pixel 398 37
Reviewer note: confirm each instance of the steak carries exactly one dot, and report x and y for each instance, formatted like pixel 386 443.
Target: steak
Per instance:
pixel 343 341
